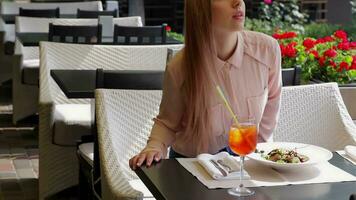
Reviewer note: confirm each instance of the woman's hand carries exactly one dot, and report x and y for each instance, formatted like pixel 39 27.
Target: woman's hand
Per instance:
pixel 147 156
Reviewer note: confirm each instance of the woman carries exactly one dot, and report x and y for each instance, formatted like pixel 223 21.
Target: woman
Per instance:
pixel 247 65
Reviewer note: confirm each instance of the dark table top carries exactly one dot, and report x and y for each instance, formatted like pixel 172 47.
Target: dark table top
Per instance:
pixel 67 80
pixel 33 39
pixel 171 181
pixel 10 18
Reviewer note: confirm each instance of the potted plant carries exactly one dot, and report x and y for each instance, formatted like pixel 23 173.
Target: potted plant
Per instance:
pixel 293 56
pixel 327 59
pixel 331 59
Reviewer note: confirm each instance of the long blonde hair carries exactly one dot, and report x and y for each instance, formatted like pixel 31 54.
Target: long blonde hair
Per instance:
pixel 197 59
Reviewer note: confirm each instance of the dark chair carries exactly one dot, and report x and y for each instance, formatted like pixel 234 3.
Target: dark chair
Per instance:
pixel 88 34
pixel 95 14
pixel 47 13
pixel 291 76
pixel 140 35
pixel 117 79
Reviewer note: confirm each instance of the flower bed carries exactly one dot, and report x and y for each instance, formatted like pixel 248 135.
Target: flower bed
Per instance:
pixel 329 59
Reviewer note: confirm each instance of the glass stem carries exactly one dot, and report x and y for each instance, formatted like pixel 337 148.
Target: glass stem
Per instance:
pixel 242 159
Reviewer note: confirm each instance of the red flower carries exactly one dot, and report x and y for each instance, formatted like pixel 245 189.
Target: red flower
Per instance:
pixel 352 45
pixel 330 53
pixel 315 53
pixel 343 46
pixel 309 43
pixel 322 61
pixel 354 59
pixel 282 49
pixel 332 63
pixel 320 41
pixel 290 35
pixel 168 28
pixel 328 39
pixel 286 35
pixel 344 65
pixel 341 35
pixel 353 66
pixel 290 51
pixel 293 44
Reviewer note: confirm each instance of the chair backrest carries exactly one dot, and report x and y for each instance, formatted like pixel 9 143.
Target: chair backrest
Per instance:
pixel 139 35
pixel 47 13
pixel 65 7
pixel 95 14
pixel 124 121
pixel 129 79
pixel 128 21
pixel 32 24
pixel 82 56
pixel 315 114
pixel 79 34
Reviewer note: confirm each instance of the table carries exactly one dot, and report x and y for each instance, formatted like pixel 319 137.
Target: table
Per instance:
pixel 67 80
pixel 33 39
pixel 170 181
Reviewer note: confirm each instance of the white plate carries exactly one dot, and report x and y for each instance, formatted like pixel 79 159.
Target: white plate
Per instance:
pixel 316 154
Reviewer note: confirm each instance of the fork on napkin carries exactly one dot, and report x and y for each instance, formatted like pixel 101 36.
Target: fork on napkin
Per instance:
pixel 221 166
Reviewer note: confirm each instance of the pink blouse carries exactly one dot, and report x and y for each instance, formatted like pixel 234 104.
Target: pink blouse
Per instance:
pixel 252 81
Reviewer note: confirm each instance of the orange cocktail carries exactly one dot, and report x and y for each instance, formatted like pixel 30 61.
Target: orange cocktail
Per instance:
pixel 243 139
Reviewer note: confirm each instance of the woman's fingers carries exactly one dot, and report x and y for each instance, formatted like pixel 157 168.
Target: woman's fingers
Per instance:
pixel 133 162
pixel 149 156
pixel 158 156
pixel 141 159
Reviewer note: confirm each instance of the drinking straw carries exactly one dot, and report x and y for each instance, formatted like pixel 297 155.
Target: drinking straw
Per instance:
pixel 227 105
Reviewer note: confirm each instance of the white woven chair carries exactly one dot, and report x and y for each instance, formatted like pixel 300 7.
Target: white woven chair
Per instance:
pixel 124 121
pixel 315 114
pixel 58 164
pixel 25 96
pixel 128 21
pixel 66 8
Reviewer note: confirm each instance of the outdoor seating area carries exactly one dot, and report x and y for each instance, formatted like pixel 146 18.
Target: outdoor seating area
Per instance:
pixel 117 99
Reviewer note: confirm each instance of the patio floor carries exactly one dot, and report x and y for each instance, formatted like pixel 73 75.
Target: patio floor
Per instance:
pixel 19 155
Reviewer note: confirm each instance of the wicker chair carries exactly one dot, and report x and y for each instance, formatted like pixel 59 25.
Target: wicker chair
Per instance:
pixel 25 74
pixel 315 114
pixel 88 153
pixel 66 8
pixel 46 13
pixel 124 120
pixel 136 35
pixel 25 95
pixel 58 162
pixel 95 14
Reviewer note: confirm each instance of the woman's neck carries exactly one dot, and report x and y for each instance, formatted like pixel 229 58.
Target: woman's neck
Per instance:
pixel 225 44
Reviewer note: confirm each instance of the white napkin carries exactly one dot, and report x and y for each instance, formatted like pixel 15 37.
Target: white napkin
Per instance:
pixel 351 151
pixel 223 159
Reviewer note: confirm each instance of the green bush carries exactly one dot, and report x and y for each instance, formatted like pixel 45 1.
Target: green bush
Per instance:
pixel 286 15
pixel 259 26
pixel 351 29
pixel 318 30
